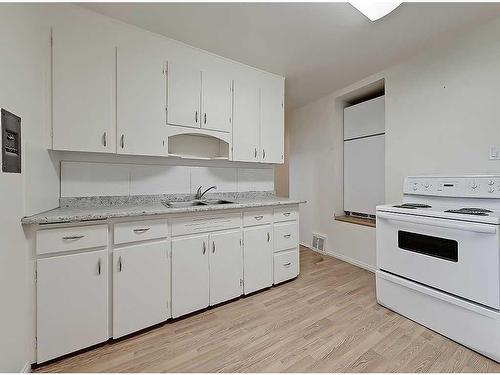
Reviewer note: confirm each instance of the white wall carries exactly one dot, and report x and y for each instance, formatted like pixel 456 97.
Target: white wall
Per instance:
pixel 85 179
pixel 24 85
pixel 442 114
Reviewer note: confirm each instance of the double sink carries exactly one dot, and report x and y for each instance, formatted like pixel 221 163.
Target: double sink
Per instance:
pixel 193 203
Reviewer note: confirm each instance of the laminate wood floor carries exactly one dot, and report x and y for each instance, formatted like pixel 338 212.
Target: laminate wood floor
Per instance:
pixel 326 320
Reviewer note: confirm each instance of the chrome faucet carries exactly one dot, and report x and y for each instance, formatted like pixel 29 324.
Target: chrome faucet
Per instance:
pixel 200 195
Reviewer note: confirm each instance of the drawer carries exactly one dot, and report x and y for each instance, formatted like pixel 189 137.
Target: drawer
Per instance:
pixel 286 213
pixel 71 238
pixel 206 223
pixel 140 231
pixel 286 265
pixel 257 217
pixel 286 235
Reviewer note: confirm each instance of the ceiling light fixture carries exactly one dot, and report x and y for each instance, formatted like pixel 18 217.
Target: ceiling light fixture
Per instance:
pixel 375 10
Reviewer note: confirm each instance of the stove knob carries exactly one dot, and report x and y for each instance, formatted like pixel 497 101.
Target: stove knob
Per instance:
pixel 474 186
pixel 491 190
pixel 491 182
pixel 415 186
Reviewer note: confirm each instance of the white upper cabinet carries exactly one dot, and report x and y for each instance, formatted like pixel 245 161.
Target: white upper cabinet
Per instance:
pixel 83 86
pixel 216 101
pixel 141 100
pixel 246 121
pixel 183 95
pixel 272 129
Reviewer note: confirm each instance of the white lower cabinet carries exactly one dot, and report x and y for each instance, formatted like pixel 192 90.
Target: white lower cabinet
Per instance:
pixel 258 257
pixel 190 274
pixel 226 266
pixel 141 287
pixel 72 303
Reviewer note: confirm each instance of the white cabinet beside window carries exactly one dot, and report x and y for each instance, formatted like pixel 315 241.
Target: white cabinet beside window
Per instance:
pixel 141 287
pixel 83 90
pixel 216 101
pixel 190 274
pixel 141 100
pixel 258 257
pixel 72 303
pixel 183 95
pixel 226 266
pixel 272 130
pixel 246 121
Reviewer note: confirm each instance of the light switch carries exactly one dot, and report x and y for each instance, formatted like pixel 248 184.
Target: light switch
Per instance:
pixel 494 153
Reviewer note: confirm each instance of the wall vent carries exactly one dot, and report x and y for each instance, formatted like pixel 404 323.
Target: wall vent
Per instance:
pixel 318 242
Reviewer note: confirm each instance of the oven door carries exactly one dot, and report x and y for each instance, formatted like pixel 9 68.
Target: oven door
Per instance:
pixel 457 257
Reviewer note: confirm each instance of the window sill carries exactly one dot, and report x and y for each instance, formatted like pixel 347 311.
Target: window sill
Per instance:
pixel 367 222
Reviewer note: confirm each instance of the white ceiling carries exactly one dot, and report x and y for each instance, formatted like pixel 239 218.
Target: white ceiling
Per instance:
pixel 318 47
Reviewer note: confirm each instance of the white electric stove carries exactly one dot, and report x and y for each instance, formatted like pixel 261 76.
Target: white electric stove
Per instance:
pixel 438 257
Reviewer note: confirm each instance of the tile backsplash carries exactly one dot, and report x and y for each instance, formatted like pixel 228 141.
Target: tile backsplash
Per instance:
pixel 85 179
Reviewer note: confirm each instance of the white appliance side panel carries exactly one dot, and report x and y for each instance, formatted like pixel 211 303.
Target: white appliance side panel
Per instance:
pixel 364 174
pixel 365 118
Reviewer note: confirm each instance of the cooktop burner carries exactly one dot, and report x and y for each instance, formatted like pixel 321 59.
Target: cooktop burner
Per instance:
pixel 471 211
pixel 412 205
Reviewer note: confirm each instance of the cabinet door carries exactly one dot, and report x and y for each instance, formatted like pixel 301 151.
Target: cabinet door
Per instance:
pixel 141 287
pixel 246 122
pixel 226 266
pixel 258 258
pixel 141 101
pixel 83 79
pixel 190 279
pixel 183 95
pixel 216 102
pixel 272 132
pixel 72 303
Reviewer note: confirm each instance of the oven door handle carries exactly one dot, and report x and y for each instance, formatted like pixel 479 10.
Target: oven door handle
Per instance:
pixel 470 227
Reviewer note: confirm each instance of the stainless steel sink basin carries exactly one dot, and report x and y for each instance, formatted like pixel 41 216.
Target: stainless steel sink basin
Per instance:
pixel 217 201
pixel 183 204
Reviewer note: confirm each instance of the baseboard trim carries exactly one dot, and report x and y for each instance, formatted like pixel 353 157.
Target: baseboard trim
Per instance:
pixel 344 258
pixel 26 369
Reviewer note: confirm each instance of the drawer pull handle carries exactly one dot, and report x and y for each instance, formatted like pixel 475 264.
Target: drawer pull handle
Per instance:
pixel 286 214
pixel 99 266
pixel 120 265
pixel 204 248
pixel 260 217
pixel 287 264
pixel 72 238
pixel 141 230
pixel 287 235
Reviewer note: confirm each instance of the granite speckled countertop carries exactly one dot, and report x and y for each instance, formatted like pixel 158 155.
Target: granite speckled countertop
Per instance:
pixel 100 208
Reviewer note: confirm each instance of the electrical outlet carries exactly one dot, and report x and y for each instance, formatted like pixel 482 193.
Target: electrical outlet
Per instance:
pixel 494 153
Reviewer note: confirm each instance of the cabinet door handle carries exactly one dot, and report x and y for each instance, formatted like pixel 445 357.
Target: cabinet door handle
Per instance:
pixel 286 214
pixel 204 248
pixel 72 238
pixel 287 235
pixel 120 265
pixel 263 154
pixel 213 247
pixel 287 264
pixel 141 230
pixel 104 140
pixel 196 116
pixel 99 266
pixel 205 118
pixel 122 142
pixel 260 217
pixel 268 237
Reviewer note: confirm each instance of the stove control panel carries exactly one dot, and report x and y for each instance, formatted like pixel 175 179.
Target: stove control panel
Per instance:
pixel 481 186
